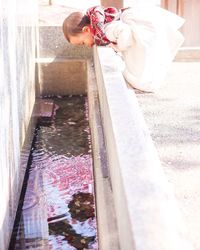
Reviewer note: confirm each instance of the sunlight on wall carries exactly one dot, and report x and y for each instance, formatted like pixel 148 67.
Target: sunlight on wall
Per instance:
pixel 17 96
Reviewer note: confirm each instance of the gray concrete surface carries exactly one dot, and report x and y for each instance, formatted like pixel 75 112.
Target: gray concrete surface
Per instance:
pixel 146 209
pixel 173 117
pixel 61 66
pixel 108 236
pixel 53 44
pixel 59 76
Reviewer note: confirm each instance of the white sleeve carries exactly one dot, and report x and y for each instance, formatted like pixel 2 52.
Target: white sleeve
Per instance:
pixel 120 33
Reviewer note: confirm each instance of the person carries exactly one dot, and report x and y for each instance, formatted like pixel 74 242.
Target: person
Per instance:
pixel 147 37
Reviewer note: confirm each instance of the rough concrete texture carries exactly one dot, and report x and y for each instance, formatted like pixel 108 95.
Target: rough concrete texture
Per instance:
pixel 62 76
pixel 173 117
pixel 51 39
pixel 61 66
pixel 107 224
pixel 53 44
pixel 147 213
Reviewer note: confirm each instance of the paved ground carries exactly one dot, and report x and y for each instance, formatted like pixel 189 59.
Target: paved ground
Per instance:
pixel 173 117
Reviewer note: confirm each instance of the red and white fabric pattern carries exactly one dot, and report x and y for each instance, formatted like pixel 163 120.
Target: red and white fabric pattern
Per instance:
pixel 99 16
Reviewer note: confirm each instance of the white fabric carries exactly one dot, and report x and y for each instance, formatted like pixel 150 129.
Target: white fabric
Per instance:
pixel 148 39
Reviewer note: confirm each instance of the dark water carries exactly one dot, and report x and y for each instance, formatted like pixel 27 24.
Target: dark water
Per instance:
pixel 58 209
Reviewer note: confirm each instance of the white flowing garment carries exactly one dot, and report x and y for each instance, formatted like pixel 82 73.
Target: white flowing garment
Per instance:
pixel 148 38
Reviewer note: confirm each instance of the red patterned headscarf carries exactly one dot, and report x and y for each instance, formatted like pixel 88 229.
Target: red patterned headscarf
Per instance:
pixel 99 16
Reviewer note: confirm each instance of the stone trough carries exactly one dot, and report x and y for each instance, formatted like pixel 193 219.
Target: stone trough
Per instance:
pixel 136 207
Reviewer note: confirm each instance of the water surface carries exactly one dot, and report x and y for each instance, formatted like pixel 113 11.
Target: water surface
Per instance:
pixel 58 209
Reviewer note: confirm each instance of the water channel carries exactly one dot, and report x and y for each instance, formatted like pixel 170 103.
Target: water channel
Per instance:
pixel 57 210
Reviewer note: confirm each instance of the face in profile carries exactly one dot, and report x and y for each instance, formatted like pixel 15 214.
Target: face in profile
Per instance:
pixel 84 38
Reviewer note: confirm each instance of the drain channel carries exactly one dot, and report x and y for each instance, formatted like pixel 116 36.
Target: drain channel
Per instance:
pixel 58 209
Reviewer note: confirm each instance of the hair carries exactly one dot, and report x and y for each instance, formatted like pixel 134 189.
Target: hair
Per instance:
pixel 74 24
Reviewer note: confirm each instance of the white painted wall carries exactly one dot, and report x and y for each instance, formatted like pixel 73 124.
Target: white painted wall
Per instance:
pixel 17 97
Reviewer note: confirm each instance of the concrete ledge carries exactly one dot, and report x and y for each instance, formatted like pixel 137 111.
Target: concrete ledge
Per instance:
pixel 108 238
pixel 188 54
pixel 59 76
pixel 147 213
pixel 53 44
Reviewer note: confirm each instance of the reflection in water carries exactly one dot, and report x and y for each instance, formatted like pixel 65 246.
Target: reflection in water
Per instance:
pixel 81 206
pixel 58 209
pixel 81 209
pixel 74 239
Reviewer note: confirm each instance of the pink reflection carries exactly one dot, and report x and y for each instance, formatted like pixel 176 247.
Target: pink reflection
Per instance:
pixel 60 191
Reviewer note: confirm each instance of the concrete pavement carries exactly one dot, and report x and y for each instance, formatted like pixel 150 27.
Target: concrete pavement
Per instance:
pixel 173 117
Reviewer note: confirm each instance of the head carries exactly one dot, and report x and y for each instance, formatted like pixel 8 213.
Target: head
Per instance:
pixel 76 28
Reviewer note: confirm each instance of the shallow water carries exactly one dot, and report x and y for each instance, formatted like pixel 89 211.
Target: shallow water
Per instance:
pixel 58 209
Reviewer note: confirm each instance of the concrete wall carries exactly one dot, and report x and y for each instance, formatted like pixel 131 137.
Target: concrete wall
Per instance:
pixel 147 213
pixel 61 66
pixel 17 97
